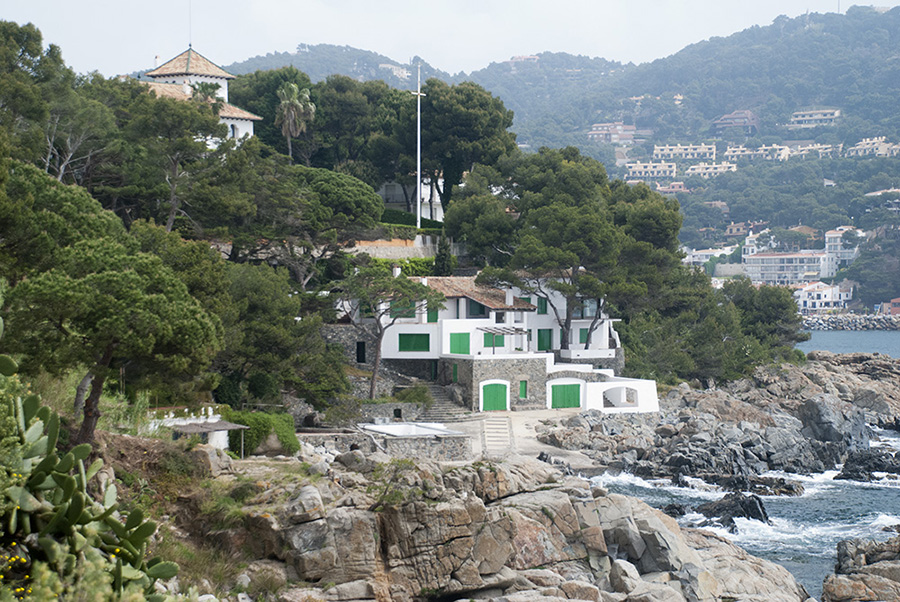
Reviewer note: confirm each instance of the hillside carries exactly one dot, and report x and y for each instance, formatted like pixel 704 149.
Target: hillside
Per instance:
pixel 849 61
pixel 321 60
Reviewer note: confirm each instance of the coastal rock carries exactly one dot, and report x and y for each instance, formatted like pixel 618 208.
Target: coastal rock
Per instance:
pixel 825 418
pixel 860 465
pixel 734 505
pixel 865 570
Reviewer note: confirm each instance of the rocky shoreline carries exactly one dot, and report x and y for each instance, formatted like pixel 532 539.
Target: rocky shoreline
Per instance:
pixel 851 322
pixel 799 419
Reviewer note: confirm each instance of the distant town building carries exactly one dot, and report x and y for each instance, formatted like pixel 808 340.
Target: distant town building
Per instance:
pixel 743 228
pixel 612 133
pixel 650 170
pixel 818 297
pixel 176 78
pixel 687 151
pixel 699 257
pixel 742 119
pixel 834 244
pixel 789 268
pixel 811 118
pixel 673 188
pixel 710 170
pixel 398 71
pixel 721 206
pixel 774 152
pixel 878 147
pixel 801 148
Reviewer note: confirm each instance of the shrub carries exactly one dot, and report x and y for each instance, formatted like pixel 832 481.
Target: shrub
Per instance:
pixel 261 424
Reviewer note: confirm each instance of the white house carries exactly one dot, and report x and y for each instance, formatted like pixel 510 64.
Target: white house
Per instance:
pixel 175 78
pixel 504 350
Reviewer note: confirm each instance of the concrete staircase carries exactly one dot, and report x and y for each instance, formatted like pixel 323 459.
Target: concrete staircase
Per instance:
pixel 443 409
pixel 497 436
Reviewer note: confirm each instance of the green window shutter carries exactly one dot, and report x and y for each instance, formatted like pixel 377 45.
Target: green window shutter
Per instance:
pixel 526 299
pixel 491 340
pixel 401 309
pixel 582 335
pixel 545 339
pixel 432 315
pixel 459 343
pixel 414 342
pixel 523 389
pixel 542 305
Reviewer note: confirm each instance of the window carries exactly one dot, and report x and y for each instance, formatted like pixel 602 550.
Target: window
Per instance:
pixel 414 342
pixel 432 315
pixel 360 352
pixel 523 389
pixel 582 335
pixel 493 340
pixel 403 309
pixel 459 343
pixel 455 373
pixel 476 309
pixel 542 305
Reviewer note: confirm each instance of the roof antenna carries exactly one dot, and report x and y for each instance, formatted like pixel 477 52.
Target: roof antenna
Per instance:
pixel 190 24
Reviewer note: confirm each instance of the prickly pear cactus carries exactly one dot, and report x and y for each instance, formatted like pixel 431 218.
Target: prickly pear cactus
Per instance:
pixel 48 515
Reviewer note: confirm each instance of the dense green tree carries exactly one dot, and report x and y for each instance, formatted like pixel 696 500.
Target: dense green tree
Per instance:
pixel 103 306
pixel 39 217
pixel 768 313
pixel 485 226
pixel 274 344
pixel 379 299
pixel 461 125
pixel 176 135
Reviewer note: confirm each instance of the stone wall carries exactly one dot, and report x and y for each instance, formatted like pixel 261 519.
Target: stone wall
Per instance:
pixel 472 372
pixel 346 336
pixel 442 448
pixel 408 412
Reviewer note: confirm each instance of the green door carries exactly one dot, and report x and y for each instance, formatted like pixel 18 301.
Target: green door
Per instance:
pixel 565 396
pixel 494 397
pixel 545 339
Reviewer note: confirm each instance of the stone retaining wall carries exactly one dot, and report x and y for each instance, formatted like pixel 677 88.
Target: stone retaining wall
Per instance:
pixel 441 448
pixel 851 322
pixel 408 412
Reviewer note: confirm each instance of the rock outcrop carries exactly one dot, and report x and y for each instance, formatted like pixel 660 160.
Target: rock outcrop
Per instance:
pixel 514 530
pixel 866 570
pixel 800 419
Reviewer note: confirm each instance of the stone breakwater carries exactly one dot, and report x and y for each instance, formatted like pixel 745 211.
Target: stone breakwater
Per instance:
pixel 851 322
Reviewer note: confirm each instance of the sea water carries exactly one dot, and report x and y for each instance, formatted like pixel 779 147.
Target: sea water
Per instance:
pixel 804 531
pixel 886 342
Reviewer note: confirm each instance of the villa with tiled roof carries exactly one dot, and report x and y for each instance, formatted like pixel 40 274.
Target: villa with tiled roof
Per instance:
pixel 503 349
pixel 176 78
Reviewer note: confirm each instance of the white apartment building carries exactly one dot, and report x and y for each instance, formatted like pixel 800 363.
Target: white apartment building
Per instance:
pixel 773 152
pixel 639 170
pixel 687 151
pixel 811 118
pixel 710 170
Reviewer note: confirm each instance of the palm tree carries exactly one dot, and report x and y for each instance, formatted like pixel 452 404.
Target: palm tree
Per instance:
pixel 294 112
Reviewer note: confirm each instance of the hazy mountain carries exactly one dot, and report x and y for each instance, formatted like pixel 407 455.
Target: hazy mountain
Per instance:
pixel 850 62
pixel 321 60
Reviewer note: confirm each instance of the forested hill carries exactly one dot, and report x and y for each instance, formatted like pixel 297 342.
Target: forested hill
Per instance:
pixel 321 60
pixel 849 61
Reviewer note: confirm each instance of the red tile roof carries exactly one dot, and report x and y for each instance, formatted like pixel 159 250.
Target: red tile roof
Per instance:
pixel 177 92
pixel 189 62
pixel 465 286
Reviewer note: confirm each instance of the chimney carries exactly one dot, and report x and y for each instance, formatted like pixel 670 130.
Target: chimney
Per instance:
pixel 509 296
pixel 424 280
pixel 156 61
pixel 395 270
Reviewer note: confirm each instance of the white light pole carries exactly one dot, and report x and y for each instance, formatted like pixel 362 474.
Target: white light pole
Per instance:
pixel 419 96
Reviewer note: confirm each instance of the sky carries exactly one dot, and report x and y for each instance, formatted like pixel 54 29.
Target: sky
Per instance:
pixel 122 36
